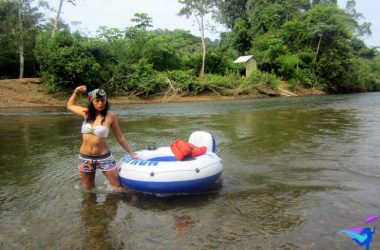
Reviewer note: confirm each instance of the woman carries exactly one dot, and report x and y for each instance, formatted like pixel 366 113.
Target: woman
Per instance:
pixel 95 152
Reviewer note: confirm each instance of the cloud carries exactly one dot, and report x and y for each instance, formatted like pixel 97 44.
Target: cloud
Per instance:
pixel 117 14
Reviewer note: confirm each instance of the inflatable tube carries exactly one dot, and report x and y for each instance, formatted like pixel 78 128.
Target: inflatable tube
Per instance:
pixel 161 173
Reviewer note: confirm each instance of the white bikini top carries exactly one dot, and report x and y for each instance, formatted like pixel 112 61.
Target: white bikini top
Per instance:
pixel 99 130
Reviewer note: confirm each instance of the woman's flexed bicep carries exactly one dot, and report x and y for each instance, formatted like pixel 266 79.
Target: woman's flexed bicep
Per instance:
pixel 71 103
pixel 78 110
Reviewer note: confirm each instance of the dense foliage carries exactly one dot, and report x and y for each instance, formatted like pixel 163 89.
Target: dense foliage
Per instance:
pixel 314 44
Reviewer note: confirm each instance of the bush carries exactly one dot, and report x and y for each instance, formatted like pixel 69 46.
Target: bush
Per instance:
pixel 217 62
pixel 66 62
pixel 215 83
pixel 233 78
pixel 288 65
pixel 363 75
pixel 260 78
pixel 301 76
pixel 143 80
pixel 183 81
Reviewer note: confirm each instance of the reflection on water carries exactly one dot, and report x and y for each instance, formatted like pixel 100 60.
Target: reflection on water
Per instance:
pixel 96 217
pixel 297 171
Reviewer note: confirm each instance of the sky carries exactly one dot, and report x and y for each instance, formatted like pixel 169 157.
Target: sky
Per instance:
pixel 117 14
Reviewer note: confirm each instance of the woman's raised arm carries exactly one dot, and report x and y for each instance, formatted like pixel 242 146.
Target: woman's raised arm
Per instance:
pixel 71 104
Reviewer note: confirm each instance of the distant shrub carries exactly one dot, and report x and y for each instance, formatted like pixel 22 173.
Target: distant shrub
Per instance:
pixel 213 80
pixel 288 65
pixel 260 78
pixel 233 78
pixel 183 81
pixel 363 75
pixel 301 77
pixel 143 80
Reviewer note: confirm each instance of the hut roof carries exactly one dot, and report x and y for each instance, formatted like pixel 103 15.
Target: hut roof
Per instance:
pixel 244 59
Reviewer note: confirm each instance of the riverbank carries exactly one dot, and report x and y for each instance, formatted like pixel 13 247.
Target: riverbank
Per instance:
pixel 29 92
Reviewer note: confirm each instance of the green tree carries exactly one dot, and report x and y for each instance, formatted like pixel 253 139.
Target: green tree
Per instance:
pixel 162 54
pixel 240 36
pixel 142 21
pixel 230 11
pixel 234 15
pixel 315 2
pixel 8 39
pixel 361 50
pixel 198 8
pixel 67 61
pixel 18 24
pixel 265 16
pixel 361 29
pixel 267 49
pixel 57 17
pixel 330 31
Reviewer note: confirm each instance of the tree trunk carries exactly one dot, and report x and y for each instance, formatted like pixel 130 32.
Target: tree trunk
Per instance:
pixel 21 42
pixel 319 44
pixel 314 77
pixel 201 28
pixel 56 20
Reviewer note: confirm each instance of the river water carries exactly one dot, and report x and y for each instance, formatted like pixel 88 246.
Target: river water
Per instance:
pixel 297 170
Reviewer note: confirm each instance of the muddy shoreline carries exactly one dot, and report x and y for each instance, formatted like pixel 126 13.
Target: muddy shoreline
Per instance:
pixel 29 92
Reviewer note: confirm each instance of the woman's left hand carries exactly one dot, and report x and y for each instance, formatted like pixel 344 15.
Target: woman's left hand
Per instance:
pixel 136 157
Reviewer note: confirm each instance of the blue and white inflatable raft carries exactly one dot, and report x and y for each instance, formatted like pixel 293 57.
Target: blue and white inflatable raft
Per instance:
pixel 161 173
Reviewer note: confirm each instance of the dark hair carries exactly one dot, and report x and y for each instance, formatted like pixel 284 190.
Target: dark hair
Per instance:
pixel 91 115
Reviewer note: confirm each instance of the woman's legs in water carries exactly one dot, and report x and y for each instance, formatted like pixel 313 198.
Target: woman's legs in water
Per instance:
pixel 88 179
pixel 113 178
